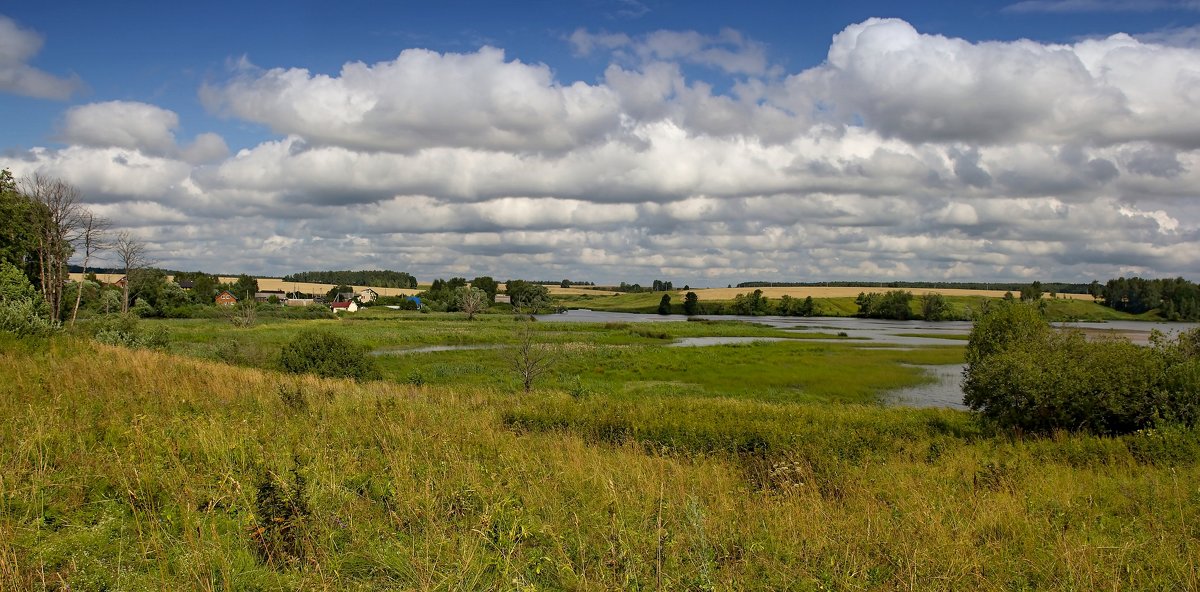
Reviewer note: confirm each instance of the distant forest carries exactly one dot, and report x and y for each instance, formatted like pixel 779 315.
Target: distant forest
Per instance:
pixel 1176 299
pixel 1056 287
pixel 380 278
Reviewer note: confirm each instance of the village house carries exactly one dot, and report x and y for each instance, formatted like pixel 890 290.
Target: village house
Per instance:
pixel 344 306
pixel 226 299
pixel 265 296
pixel 367 296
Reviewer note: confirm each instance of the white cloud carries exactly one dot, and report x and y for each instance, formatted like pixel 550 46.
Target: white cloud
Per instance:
pixel 17 47
pixel 423 99
pixel 929 88
pixel 905 155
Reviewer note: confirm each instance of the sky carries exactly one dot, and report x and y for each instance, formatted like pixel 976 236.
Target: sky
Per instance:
pixel 705 143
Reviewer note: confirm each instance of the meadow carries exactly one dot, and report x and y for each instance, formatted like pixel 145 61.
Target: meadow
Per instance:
pixel 633 465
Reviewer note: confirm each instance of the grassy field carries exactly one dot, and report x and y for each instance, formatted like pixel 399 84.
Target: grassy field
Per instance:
pixel 615 359
pixel 137 470
pixel 963 302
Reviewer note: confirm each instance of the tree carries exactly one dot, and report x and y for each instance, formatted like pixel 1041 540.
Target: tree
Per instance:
pixel 691 304
pixel 527 296
pixel 488 285
pixel 1032 292
pixel 934 306
pixel 22 311
pixel 59 226
pixel 19 224
pixel 471 301
pixel 565 284
pixel 330 296
pixel 530 360
pixel 664 305
pixel 131 251
pixel 245 287
pixel 93 238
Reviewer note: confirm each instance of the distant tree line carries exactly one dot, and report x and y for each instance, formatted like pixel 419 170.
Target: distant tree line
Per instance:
pixel 1053 287
pixel 380 278
pixel 656 286
pixel 562 283
pixel 1176 299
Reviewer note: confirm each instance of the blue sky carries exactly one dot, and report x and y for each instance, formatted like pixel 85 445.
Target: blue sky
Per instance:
pixel 720 87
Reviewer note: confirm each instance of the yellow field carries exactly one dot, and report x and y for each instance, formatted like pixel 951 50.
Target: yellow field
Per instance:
pixel 278 284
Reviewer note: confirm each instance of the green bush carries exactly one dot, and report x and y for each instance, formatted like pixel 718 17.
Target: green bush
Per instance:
pixel 23 312
pixel 25 317
pixel 326 354
pixel 125 330
pixel 1022 374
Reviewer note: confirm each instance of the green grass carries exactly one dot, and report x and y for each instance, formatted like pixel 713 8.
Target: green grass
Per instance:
pixel 1058 309
pixel 947 336
pixel 137 470
pixel 618 359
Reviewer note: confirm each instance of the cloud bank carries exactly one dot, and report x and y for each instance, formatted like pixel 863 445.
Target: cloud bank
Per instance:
pixel 903 155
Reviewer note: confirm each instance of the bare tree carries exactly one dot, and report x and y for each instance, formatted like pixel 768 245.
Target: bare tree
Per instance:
pixel 471 301
pixel 59 225
pixel 93 237
pixel 132 253
pixel 530 360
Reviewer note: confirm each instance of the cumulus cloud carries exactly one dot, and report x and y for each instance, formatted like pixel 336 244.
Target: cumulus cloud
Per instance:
pixel 423 99
pixel 930 88
pixel 904 155
pixel 145 128
pixel 17 47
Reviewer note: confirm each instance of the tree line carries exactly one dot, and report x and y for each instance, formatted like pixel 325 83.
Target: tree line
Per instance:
pixel 381 278
pixel 1054 287
pixel 1176 299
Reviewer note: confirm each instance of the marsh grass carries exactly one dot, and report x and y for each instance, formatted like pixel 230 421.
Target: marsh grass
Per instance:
pixel 139 470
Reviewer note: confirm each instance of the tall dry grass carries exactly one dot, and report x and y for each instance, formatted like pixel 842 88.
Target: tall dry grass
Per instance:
pixel 134 470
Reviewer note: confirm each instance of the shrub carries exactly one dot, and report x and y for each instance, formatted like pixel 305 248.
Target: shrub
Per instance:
pixel 1021 374
pixel 329 355
pixel 25 317
pixel 23 312
pixel 127 331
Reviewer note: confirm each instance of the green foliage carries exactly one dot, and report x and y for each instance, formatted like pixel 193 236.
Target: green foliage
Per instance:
pixel 283 517
pixel 377 278
pixel 1021 374
pixel 795 307
pixel 19 220
pixel 488 285
pixel 332 294
pixel 1032 292
pixel 1176 299
pixel 126 330
pixel 23 312
pixel 528 295
pixel 893 304
pixel 752 304
pixel 934 306
pixel 327 354
pixel 664 305
pixel 691 304
pixel 245 287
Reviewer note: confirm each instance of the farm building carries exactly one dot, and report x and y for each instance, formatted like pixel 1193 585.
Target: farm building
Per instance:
pixel 367 295
pixel 265 296
pixel 346 306
pixel 226 299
